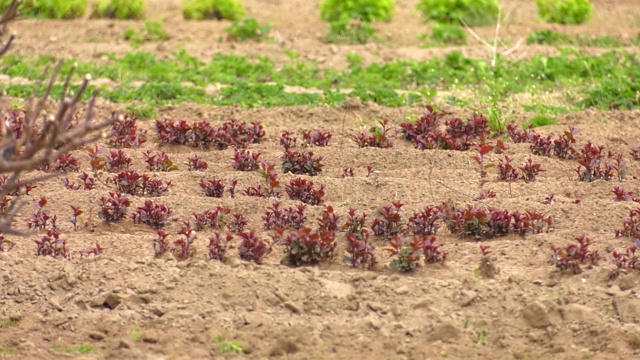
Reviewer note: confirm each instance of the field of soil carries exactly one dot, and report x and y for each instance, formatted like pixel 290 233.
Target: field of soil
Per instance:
pixel 126 304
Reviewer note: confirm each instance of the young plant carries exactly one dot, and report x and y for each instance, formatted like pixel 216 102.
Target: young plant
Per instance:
pixel 220 9
pixel 125 133
pixel 244 160
pixel 114 208
pixel 252 248
pixel 288 140
pixel 183 247
pixel 431 251
pixel 355 224
pixel 622 195
pixel 120 9
pixel 247 30
pixel 347 172
pixel 365 10
pixel 5 244
pixel 159 162
pixel 232 187
pixel 75 217
pixel 530 170
pixel 66 163
pixel 281 218
pixel 94 251
pixel 473 13
pixel 379 137
pixel 407 251
pixel 483 161
pixel 507 171
pixel 574 255
pixel 114 161
pixel 329 221
pixel 569 12
pixel 300 163
pixel 212 188
pixel 361 252
pixel 301 189
pixel 88 182
pixel 197 164
pixel 155 215
pixel 214 219
pixel 42 219
pixel 629 260
pixel 389 222
pixel 426 221
pixel 53 245
pixel 218 246
pixel 238 223
pixel 631 225
pixel 487 268
pixel 306 247
pixel 161 244
pixel 590 163
pixel 316 138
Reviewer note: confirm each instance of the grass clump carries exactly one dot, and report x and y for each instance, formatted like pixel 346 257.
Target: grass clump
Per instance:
pixel 473 12
pixel 213 9
pixel 120 9
pixel 350 31
pixel 364 10
pixel 152 31
pixel 51 9
pixel 449 34
pixel 226 346
pixel 554 38
pixel 570 12
pixel 247 30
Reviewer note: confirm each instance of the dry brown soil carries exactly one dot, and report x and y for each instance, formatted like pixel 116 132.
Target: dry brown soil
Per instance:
pixel 126 304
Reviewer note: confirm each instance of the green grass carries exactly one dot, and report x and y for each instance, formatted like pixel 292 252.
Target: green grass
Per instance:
pixel 225 346
pixel 74 350
pixel 554 38
pixel 605 81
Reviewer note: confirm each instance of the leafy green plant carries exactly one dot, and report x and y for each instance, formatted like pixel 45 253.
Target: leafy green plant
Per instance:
pixel 349 31
pixel 473 12
pixel 568 12
pixel 213 9
pixel 363 10
pixel 51 9
pixel 120 9
pixel 541 120
pixel 247 30
pixel 226 346
pixel 152 31
pixel 449 34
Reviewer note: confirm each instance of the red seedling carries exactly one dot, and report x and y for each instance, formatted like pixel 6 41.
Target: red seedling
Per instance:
pixel 288 140
pixel 428 123
pixel 211 218
pixel 161 244
pixel 549 199
pixel 96 157
pixel 252 248
pixel 5 244
pixel 635 153
pixel 379 137
pixel 519 136
pixel 218 246
pixel 52 245
pixel 431 252
pixel 355 224
pixel 66 163
pixel 173 133
pixel 347 172
pixel 316 138
pixel 114 208
pixel 485 194
pixel 507 171
pixel 484 249
pixel 232 187
pixel 75 217
pixel 183 247
pixel 117 160
pixel 238 223
pixel 306 247
pixel 407 252
pixel 629 260
pixel 631 225
pixel 155 215
pixel 19 188
pixel 301 189
pixel 501 147
pixel 361 252
pixel 88 182
pixel 132 183
pixel 563 146
pixel 282 218
pixel 574 255
pixel 329 221
pixel 426 221
pixel 476 127
pixel 159 162
pixel 95 251
pixel 622 195
pixel 590 161
pixel 389 222
pixel 371 170
pixel 125 133
pixel 69 185
pixel 270 176
pixel 299 163
pixel 42 219
pixel 212 188
pixel 244 160
pixel 530 170
pixel 197 164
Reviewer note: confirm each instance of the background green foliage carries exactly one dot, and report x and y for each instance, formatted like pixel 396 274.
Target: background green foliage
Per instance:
pixel 565 11
pixel 365 10
pixel 213 9
pixel 449 34
pixel 248 29
pixel 120 9
pixel 474 12
pixel 349 31
pixel 52 9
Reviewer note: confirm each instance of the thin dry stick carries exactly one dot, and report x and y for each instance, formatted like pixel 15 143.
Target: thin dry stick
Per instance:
pixel 433 199
pixel 344 118
pixel 462 193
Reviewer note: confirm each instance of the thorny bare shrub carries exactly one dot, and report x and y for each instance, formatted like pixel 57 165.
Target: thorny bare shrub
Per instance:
pixel 42 137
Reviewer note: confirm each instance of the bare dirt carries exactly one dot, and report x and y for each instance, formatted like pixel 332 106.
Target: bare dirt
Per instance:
pixel 126 304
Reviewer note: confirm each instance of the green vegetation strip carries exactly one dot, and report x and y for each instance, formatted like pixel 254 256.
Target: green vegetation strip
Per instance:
pixel 611 80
